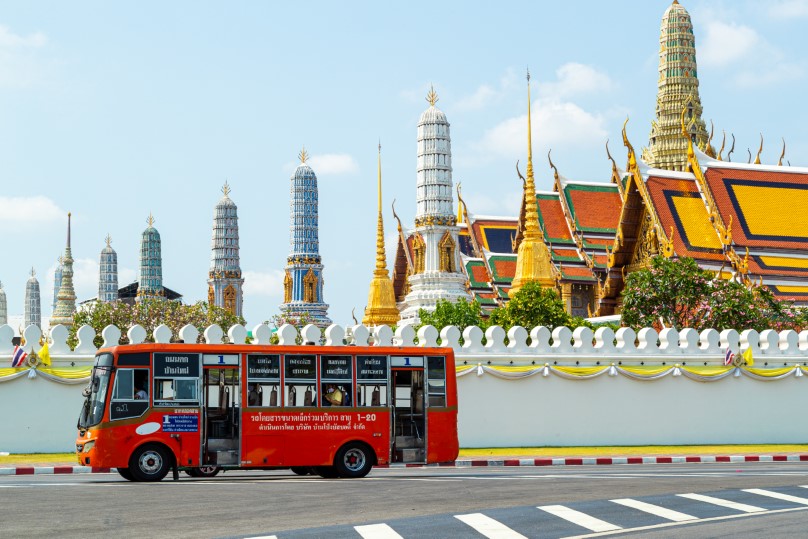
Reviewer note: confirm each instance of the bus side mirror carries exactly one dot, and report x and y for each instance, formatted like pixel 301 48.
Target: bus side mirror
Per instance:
pixel 85 392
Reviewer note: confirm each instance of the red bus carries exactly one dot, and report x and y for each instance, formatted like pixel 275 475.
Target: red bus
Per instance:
pixel 331 410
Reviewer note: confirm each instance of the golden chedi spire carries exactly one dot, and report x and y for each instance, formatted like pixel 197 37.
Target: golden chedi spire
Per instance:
pixel 677 87
pixel 381 307
pixel 533 262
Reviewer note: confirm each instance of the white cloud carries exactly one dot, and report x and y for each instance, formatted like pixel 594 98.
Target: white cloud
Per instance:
pixel 727 43
pixel 484 95
pixel 789 9
pixel 263 283
pixel 9 39
pixel 328 164
pixel 27 210
pixel 555 123
pixel 19 64
pixel 575 79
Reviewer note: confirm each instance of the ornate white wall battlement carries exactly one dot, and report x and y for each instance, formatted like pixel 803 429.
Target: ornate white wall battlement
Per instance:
pixel 564 346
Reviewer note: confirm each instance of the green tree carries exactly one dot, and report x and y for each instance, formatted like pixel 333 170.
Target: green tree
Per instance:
pixel 150 314
pixel 460 313
pixel 534 306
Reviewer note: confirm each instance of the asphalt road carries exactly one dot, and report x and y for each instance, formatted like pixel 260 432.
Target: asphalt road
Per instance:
pixel 766 500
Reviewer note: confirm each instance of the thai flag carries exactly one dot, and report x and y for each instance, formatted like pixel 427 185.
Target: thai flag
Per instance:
pixel 18 357
pixel 728 357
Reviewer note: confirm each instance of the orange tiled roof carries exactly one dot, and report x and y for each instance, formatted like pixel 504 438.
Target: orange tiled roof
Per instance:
pixel 595 207
pixel 767 207
pixel 679 205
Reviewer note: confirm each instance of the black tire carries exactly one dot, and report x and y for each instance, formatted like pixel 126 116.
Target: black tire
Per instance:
pixel 302 470
pixel 210 470
pixel 354 460
pixel 150 462
pixel 326 472
pixel 126 474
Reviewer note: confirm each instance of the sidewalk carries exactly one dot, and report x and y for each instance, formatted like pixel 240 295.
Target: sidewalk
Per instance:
pixel 35 468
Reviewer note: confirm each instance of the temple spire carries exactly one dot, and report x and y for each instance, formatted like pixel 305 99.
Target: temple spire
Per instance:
pixel 66 298
pixel 225 279
pixel 108 273
pixel 381 307
pixel 32 313
pixel 533 262
pixel 678 89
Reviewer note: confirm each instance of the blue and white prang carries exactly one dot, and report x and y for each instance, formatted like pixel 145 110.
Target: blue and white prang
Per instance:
pixel 303 279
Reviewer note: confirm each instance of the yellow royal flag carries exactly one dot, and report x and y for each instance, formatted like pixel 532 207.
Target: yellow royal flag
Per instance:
pixel 44 355
pixel 747 357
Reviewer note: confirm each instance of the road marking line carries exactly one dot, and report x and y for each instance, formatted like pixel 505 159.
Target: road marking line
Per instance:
pixel 377 531
pixel 662 512
pixel 581 519
pixel 489 527
pixel 723 503
pixel 675 524
pixel 772 494
pixel 263 537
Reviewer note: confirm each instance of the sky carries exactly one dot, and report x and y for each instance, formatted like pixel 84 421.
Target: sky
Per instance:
pixel 114 110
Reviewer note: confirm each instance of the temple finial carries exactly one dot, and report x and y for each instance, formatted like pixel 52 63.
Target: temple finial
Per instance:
pixel 226 188
pixel 760 150
pixel 721 151
pixel 150 220
pixel 729 159
pixel 33 272
pixel 782 154
pixel 108 239
pixel 68 228
pixel 432 96
pixel 303 155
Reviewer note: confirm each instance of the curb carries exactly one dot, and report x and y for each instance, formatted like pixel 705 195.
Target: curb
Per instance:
pixel 474 463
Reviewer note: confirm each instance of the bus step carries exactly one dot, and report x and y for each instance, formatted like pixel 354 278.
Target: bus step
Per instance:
pixel 410 455
pixel 224 457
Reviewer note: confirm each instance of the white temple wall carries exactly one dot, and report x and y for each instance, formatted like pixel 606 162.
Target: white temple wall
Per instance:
pixel 544 389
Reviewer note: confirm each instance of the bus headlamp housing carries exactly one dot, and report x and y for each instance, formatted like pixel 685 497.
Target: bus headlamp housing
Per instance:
pixel 88 446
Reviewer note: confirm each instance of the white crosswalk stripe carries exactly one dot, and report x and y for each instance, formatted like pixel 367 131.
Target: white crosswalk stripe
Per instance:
pixel 581 519
pixel 377 531
pixel 723 503
pixel 772 494
pixel 489 527
pixel 662 512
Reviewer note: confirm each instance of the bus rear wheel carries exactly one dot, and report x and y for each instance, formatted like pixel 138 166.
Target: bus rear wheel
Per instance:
pixel 150 462
pixel 204 471
pixel 354 460
pixel 126 474
pixel 326 472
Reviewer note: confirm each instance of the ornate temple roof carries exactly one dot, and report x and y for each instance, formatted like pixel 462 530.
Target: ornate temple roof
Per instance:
pixel 108 273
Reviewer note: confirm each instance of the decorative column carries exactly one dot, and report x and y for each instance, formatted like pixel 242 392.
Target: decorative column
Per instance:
pixel 224 278
pixel 678 89
pixel 381 308
pixel 438 273
pixel 32 313
pixel 57 282
pixel 3 306
pixel 150 278
pixel 108 273
pixel 303 281
pixel 66 300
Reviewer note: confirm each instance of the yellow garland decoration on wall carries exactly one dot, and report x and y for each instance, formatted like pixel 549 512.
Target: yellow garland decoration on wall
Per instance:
pixel 63 375
pixel 700 374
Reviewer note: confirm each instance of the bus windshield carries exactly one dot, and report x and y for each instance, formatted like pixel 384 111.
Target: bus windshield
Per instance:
pixel 93 410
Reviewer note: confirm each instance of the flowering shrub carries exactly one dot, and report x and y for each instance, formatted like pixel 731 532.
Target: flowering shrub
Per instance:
pixel 150 314
pixel 678 293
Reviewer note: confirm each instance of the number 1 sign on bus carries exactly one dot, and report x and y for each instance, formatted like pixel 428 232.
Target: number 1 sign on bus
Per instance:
pixel 336 411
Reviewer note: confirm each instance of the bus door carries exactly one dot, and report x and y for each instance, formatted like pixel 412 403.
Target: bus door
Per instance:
pixel 221 392
pixel 408 407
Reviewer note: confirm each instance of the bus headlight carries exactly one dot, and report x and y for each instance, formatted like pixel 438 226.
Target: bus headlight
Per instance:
pixel 88 446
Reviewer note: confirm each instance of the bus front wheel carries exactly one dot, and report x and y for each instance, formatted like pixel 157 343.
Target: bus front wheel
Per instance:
pixel 354 460
pixel 150 462
pixel 126 474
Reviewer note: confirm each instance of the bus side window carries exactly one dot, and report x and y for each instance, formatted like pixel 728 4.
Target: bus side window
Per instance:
pixel 127 395
pixel 372 395
pixel 300 394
